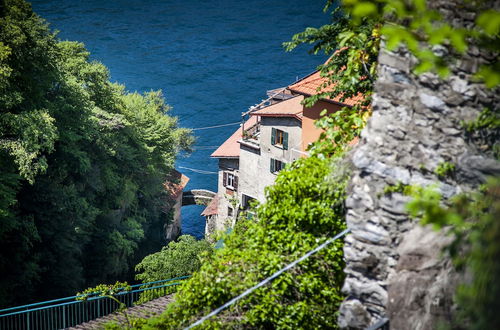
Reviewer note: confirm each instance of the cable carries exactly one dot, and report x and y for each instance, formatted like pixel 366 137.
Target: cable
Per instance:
pixel 198 171
pixel 205 147
pixel 267 280
pixel 216 126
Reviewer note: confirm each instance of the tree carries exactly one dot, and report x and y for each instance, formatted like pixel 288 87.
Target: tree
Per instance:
pixel 302 210
pixel 179 258
pixel 82 165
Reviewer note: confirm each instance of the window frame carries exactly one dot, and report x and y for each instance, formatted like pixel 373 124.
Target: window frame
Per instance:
pixel 230 180
pixel 279 138
pixel 276 165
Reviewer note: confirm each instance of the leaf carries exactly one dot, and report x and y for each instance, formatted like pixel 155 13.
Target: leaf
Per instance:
pixel 364 9
pixel 489 21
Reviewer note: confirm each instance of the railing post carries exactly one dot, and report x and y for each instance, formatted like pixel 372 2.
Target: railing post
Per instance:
pixel 64 317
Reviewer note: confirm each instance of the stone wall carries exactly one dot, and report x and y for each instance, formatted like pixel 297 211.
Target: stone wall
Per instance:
pixel 394 267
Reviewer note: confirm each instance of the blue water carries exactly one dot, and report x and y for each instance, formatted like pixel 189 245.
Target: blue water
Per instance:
pixel 212 59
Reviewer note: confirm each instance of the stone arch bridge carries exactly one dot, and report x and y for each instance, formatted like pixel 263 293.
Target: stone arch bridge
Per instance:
pixel 197 197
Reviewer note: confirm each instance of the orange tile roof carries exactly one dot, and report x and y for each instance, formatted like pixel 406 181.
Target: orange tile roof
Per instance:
pixel 231 148
pixel 175 183
pixel 211 208
pixel 288 108
pixel 313 84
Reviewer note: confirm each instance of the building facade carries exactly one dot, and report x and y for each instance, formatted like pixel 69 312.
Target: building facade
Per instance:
pixel 277 132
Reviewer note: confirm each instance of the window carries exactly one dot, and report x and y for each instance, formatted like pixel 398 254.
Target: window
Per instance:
pixel 276 165
pixel 230 181
pixel 229 211
pixel 246 200
pixel 279 138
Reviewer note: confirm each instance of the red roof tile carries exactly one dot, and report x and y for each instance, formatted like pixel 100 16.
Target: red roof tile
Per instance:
pixel 211 208
pixel 231 148
pixel 313 84
pixel 175 183
pixel 288 108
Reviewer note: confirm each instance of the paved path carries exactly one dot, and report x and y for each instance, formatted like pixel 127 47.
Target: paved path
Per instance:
pixel 146 310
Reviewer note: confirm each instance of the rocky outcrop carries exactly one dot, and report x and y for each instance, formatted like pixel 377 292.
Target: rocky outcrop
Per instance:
pixel 394 266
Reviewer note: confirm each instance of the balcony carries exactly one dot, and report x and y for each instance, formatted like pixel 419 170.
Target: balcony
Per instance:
pixel 251 136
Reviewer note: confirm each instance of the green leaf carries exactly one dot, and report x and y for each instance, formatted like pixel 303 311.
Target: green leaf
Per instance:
pixel 364 9
pixel 489 21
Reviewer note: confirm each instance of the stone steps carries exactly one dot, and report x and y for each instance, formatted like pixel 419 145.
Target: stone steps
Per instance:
pixel 147 310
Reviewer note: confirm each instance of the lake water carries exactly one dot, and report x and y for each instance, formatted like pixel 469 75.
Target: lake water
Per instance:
pixel 212 59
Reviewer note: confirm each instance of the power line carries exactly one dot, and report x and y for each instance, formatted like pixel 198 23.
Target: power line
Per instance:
pixel 198 171
pixel 205 147
pixel 216 126
pixel 267 280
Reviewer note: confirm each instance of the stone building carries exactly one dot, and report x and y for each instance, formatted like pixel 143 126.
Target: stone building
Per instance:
pixel 174 185
pixel 277 132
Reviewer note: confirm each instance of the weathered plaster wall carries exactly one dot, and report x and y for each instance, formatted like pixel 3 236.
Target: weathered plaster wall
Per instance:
pixel 288 124
pixel 394 267
pixel 218 222
pixel 310 132
pixel 250 174
pixel 255 172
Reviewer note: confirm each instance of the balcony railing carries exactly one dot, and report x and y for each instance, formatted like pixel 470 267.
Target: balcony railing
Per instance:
pixel 251 133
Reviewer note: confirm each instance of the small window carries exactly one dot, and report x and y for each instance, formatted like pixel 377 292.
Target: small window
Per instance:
pixel 279 138
pixel 230 181
pixel 246 201
pixel 276 165
pixel 229 211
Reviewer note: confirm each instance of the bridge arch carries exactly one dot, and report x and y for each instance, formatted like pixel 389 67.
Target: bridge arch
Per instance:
pixel 197 197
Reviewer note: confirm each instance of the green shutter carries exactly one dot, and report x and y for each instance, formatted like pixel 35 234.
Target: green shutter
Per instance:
pixel 272 165
pixel 273 136
pixel 285 140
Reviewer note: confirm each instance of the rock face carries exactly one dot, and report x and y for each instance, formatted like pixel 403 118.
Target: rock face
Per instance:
pixel 394 266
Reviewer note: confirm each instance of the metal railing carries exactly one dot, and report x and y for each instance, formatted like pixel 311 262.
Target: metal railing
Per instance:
pixel 67 312
pixel 252 132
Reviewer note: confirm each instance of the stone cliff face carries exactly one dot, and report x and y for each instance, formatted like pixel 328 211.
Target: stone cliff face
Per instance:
pixel 394 266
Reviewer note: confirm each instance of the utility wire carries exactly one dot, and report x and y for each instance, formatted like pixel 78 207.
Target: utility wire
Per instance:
pixel 267 280
pixel 205 147
pixel 198 171
pixel 216 126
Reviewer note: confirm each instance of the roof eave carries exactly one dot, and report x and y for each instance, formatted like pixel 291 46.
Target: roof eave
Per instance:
pixel 322 99
pixel 279 115
pixel 230 157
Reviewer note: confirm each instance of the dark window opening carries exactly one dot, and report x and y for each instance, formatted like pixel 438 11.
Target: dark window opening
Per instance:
pixel 276 165
pixel 246 201
pixel 230 181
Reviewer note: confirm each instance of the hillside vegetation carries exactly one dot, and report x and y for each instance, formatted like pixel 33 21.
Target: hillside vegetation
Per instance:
pixel 82 162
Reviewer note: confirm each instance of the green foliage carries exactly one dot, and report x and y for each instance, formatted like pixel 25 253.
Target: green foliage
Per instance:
pixel 339 130
pixel 485 131
pixel 426 205
pixel 472 219
pixel 445 169
pixel 351 70
pixel 177 259
pixel 82 165
pixel 420 28
pixel 109 291
pixel 103 290
pixel 399 187
pixel 303 209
